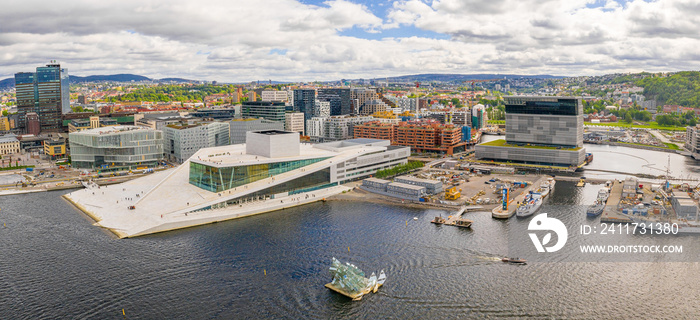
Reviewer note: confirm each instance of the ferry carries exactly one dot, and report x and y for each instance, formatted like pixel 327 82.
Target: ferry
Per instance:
pixel 530 205
pixel 596 209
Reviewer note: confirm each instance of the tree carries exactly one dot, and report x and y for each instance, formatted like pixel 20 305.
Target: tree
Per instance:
pixel 628 118
pixel 5 113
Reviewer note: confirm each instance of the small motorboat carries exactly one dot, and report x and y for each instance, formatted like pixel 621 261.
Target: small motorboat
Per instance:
pixel 514 260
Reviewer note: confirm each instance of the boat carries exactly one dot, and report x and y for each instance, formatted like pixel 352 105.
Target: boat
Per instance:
pixel 514 260
pixel 530 205
pixel 603 194
pixel 351 282
pixel 543 189
pixel 581 183
pixel 596 209
pixel 438 220
pixel 546 187
pixel 464 223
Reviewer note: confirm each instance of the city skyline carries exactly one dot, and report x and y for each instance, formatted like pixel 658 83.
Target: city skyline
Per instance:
pixel 330 40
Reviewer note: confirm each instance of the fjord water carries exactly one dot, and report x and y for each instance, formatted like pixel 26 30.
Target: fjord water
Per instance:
pixel 55 264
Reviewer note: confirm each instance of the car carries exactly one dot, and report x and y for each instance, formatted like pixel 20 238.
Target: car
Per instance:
pixel 486 182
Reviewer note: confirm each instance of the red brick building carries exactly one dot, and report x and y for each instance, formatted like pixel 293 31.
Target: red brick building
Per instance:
pixel 421 136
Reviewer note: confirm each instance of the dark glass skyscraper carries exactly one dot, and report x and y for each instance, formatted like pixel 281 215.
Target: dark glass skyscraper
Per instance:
pixel 45 92
pixel 339 98
pixel 304 101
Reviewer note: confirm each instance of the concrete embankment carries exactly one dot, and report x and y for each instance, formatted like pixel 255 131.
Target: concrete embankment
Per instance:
pixel 498 211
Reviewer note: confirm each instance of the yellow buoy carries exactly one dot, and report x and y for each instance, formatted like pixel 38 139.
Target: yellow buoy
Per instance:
pixel 348 249
pixel 265 272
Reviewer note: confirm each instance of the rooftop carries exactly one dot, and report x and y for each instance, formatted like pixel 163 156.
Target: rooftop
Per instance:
pixel 113 129
pixel 503 143
pixel 8 138
pixel 406 186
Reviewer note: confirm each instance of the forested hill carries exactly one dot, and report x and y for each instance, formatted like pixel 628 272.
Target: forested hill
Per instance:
pixel 682 88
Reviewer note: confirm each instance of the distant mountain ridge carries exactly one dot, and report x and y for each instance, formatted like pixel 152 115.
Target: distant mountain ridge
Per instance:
pixel 123 77
pixel 126 77
pixel 463 77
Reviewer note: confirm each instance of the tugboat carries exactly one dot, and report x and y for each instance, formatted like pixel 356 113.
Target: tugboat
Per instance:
pixel 514 260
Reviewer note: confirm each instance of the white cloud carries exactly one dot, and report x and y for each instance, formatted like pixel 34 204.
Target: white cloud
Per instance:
pixel 287 40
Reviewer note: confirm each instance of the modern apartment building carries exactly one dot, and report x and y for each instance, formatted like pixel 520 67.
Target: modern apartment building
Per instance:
pixel 421 136
pixel 268 110
pixel 692 141
pixel 315 127
pixel 182 140
pixel 373 106
pixel 542 130
pixel 294 122
pixel 339 98
pixel 342 127
pixel 274 95
pixel 375 130
pixel 116 148
pixel 44 92
pixel 322 109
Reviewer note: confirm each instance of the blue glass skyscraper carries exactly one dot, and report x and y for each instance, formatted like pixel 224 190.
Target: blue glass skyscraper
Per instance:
pixel 45 92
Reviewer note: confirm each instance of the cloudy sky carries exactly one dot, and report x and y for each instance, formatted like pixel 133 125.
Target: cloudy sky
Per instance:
pixel 241 40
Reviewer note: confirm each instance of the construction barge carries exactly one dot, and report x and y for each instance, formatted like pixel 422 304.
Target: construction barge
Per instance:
pixel 454 220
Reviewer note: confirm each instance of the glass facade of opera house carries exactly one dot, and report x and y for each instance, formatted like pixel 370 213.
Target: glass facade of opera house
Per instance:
pixel 217 179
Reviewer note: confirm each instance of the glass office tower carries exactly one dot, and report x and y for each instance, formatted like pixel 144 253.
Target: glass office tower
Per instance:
pixel 304 102
pixel 45 92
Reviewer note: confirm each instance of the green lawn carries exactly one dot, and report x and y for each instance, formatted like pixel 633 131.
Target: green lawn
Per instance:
pixel 649 125
pixel 672 146
pixel 502 143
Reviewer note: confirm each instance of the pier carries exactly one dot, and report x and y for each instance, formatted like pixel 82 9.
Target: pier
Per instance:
pixel 455 219
pixel 610 213
pixel 498 211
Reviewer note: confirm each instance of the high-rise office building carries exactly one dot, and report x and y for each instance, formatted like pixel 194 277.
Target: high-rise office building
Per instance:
pixel 182 140
pixel 45 92
pixel 273 111
pixel 339 99
pixel 542 130
pixel 304 102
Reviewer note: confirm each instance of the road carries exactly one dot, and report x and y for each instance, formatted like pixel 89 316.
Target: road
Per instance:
pixel 663 138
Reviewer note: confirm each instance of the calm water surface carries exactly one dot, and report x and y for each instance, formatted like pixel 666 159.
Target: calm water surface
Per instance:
pixel 55 264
